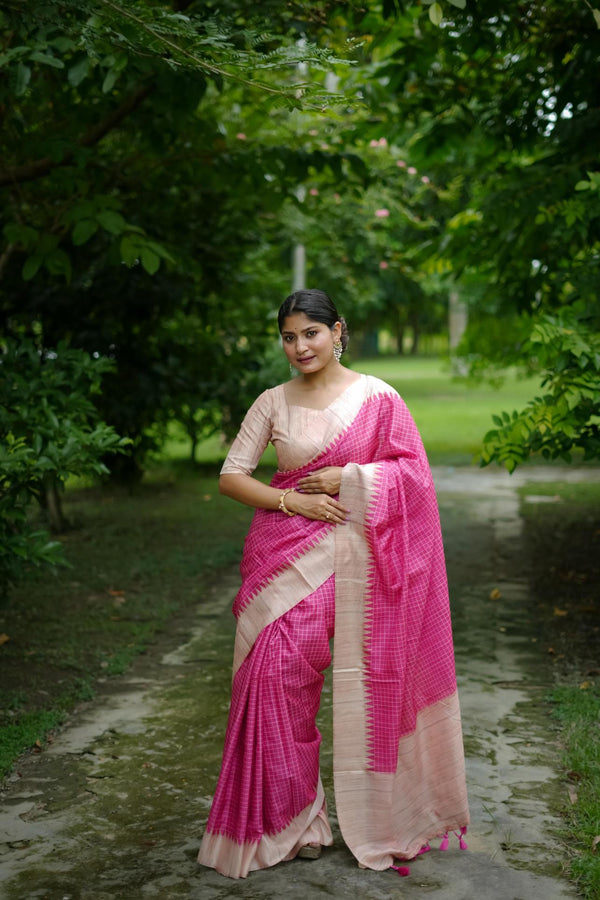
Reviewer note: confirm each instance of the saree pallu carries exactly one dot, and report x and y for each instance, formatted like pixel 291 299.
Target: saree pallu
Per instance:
pixel 379 582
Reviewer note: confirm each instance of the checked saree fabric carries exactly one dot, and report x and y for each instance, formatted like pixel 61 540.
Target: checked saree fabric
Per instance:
pixel 377 585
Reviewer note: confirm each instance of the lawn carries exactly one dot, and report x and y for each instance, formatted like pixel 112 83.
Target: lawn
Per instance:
pixel 451 414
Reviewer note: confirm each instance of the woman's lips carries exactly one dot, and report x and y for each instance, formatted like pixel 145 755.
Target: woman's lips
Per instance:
pixel 307 359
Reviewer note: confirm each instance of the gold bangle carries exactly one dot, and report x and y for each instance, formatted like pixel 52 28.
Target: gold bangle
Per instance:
pixel 282 505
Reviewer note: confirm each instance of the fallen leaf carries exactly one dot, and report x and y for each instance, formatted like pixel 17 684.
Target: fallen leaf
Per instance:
pixel 585 685
pixel 207 496
pixel 3 639
pixel 551 650
pixel 574 776
pixel 572 794
pixel 560 612
pixel 495 594
pixel 116 593
pixel 595 843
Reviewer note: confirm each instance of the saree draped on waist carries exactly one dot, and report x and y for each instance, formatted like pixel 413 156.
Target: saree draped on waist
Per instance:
pixel 379 582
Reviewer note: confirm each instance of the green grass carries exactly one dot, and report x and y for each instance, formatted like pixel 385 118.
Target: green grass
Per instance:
pixel 137 560
pixel 451 414
pixel 577 708
pixel 564 537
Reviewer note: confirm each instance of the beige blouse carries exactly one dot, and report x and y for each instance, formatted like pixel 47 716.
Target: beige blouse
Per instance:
pixel 298 433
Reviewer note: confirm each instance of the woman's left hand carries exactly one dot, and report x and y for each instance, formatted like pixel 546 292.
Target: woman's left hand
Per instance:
pixel 322 481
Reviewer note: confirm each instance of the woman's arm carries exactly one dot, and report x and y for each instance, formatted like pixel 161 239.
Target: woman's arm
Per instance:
pixel 254 493
pixel 249 490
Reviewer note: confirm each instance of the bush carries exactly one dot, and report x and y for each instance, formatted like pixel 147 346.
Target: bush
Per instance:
pixel 49 430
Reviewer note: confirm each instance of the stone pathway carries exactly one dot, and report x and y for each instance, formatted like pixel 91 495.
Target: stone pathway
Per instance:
pixel 114 808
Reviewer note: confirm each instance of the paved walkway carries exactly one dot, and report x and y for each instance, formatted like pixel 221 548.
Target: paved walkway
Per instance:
pixel 114 808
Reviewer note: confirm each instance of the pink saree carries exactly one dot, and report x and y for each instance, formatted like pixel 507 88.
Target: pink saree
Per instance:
pixel 379 583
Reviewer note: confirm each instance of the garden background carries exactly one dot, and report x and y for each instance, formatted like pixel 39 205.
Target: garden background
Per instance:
pixel 169 171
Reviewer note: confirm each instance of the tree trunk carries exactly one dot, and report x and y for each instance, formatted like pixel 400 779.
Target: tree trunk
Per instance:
pixel 53 506
pixel 194 439
pixel 400 339
pixel 415 341
pixel 457 319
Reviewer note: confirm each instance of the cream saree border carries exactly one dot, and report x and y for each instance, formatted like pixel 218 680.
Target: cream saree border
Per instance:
pixel 377 810
pixel 307 573
pixel 230 858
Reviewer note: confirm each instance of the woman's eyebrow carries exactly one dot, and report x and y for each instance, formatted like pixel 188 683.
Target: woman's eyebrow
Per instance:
pixel 308 328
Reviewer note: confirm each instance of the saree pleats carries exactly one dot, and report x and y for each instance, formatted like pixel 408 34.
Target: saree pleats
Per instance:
pixel 269 783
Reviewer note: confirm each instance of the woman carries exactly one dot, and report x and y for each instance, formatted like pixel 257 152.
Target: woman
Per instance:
pixel 346 539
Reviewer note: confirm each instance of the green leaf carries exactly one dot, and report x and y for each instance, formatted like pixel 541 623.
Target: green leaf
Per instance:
pixel 79 71
pixel 150 260
pixel 23 77
pixel 31 266
pixel 110 80
pixel 160 251
pixel 58 263
pixel 112 222
pixel 583 186
pixel 130 251
pixel 596 14
pixel 460 3
pixel 83 231
pixel 21 234
pixel 436 13
pixel 47 60
pixel 62 44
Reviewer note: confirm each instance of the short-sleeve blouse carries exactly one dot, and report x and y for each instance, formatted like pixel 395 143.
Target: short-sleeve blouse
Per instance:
pixel 298 433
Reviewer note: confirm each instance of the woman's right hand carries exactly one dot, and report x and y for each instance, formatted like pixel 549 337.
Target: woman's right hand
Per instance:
pixel 320 507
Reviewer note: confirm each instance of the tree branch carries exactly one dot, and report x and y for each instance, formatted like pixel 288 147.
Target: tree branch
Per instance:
pixel 40 167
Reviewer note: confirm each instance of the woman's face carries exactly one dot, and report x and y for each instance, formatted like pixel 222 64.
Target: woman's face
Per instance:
pixel 308 345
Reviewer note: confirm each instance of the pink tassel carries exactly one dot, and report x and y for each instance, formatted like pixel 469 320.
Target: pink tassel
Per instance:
pixel 401 870
pixel 424 849
pixel 460 836
pixel 445 842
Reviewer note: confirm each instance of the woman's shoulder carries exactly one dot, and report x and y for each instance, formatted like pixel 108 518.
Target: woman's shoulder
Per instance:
pixel 268 400
pixel 377 386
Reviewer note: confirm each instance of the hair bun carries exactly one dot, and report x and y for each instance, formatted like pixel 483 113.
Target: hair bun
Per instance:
pixel 344 336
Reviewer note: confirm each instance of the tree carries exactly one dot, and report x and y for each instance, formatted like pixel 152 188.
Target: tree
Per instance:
pixel 504 99
pixel 137 213
pixel 49 431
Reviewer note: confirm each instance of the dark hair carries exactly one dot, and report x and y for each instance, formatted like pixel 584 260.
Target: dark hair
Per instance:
pixel 317 306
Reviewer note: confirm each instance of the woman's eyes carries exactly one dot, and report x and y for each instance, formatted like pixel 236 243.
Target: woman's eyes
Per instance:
pixel 290 337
